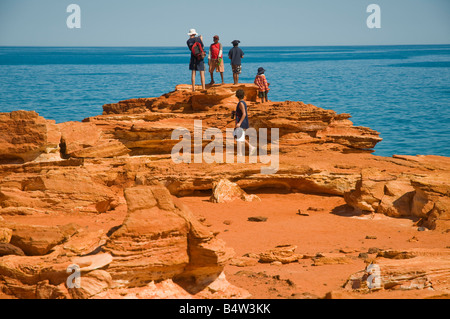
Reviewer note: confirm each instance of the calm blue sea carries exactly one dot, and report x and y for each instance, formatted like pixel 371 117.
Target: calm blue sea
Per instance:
pixel 401 91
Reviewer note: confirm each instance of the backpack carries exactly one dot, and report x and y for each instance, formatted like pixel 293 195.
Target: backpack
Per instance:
pixel 198 51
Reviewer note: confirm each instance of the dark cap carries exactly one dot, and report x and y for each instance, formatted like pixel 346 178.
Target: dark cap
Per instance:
pixel 235 42
pixel 261 71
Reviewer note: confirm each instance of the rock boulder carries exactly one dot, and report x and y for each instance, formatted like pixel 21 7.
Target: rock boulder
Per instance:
pixel 159 239
pixel 26 136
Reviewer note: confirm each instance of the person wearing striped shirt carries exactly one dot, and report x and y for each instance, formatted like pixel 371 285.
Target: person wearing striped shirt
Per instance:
pixel 263 86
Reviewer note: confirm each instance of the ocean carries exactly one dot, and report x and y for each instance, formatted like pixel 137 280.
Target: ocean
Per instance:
pixel 403 92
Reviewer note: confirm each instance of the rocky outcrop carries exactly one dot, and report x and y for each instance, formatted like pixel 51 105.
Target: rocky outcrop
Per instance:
pixel 9 249
pixel 152 240
pixel 160 239
pixel 431 201
pixel 145 125
pixel 380 192
pixel 224 191
pixel 25 136
pixel 421 196
pixel 133 139
pixel 99 193
pixel 283 253
pixel 5 235
pixel 86 140
pixel 47 277
pixel 37 240
pixel 182 100
pixel 421 269
pixel 68 189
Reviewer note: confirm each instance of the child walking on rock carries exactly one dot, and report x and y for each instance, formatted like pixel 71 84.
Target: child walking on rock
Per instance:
pixel 242 124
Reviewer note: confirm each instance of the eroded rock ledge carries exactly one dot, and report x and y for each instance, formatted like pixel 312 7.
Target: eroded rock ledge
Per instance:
pixel 120 162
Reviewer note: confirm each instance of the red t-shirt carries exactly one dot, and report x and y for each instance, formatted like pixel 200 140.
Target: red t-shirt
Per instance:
pixel 215 49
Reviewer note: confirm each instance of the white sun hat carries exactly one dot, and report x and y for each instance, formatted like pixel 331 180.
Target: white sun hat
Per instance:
pixel 192 32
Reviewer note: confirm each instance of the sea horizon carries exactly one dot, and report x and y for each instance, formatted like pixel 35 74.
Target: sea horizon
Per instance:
pixel 183 46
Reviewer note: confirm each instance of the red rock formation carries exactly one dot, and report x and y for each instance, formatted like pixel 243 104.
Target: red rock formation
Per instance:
pixel 148 127
pixel 70 188
pixel 419 270
pixel 24 136
pixel 112 175
pixel 406 194
pixel 224 191
pixel 160 240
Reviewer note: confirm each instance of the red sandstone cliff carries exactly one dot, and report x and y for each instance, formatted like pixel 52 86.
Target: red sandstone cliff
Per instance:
pixel 103 190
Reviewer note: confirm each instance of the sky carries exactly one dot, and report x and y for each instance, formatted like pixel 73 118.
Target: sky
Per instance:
pixel 253 22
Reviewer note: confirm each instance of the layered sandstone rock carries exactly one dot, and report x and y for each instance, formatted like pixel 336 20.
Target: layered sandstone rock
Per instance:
pixel 421 269
pixel 183 100
pixel 39 240
pixel 423 196
pixel 431 201
pixel 106 173
pixel 145 125
pixel 224 191
pixel 152 241
pixel 282 253
pixel 86 140
pixel 10 249
pixel 67 189
pixel 160 239
pixel 47 277
pixel 381 192
pixel 26 136
pixel 5 235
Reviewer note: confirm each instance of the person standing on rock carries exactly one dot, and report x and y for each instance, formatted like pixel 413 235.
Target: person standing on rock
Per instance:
pixel 263 86
pixel 215 59
pixel 197 62
pixel 235 55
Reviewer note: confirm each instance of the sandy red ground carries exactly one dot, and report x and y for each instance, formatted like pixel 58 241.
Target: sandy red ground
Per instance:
pixel 328 229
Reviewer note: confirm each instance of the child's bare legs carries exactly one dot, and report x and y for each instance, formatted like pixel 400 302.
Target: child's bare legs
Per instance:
pixel 261 96
pixel 202 79
pixel 193 80
pixel 241 148
pixel 212 77
pixel 221 75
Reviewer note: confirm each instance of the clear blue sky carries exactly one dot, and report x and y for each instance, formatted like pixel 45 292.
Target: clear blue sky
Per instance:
pixel 254 22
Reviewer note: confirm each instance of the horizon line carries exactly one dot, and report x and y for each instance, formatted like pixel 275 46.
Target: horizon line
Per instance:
pixel 182 46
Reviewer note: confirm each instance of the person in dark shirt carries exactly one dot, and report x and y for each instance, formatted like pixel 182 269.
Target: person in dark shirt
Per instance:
pixel 242 125
pixel 196 64
pixel 235 55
